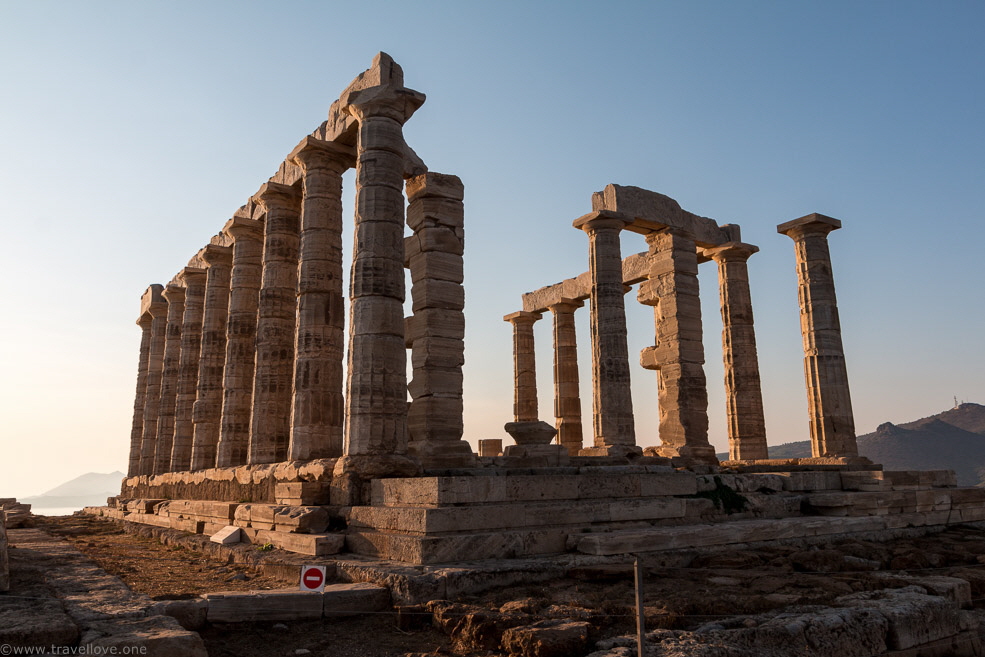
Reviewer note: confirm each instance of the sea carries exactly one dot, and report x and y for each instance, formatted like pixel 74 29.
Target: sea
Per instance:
pixel 55 510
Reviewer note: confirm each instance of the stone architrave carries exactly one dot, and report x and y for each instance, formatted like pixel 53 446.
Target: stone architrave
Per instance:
pixel 270 433
pixel 612 402
pixel 524 366
pixel 743 391
pixel 318 405
pixel 672 289
pixel 376 389
pixel 829 400
pixel 436 332
pixel 193 279
pixel 567 402
pixel 137 429
pixel 175 296
pixel 207 410
pixel 241 326
pixel 153 303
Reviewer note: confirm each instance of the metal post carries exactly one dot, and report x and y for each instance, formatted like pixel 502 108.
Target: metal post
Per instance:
pixel 640 619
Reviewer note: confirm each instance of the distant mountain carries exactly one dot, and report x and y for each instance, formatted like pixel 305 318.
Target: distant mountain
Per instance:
pixel 952 440
pixel 89 489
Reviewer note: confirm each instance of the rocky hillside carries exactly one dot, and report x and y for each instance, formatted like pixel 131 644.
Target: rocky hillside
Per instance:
pixel 952 440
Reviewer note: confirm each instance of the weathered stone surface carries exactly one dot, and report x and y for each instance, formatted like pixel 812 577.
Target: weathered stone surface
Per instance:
pixel 287 605
pixel 188 364
pixel 531 432
pixel 175 296
pixel 227 535
pixel 156 636
pixel 4 562
pixel 153 303
pixel 567 402
pixel 353 599
pixel 137 428
pixel 524 366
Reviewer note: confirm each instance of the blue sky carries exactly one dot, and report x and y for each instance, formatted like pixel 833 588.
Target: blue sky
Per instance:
pixel 129 132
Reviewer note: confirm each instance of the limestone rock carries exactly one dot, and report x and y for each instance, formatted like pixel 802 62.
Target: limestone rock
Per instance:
pixel 549 638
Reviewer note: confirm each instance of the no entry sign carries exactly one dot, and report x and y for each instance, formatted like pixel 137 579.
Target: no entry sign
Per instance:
pixel 313 578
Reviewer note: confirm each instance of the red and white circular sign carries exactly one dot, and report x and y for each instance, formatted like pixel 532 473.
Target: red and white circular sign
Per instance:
pixel 313 578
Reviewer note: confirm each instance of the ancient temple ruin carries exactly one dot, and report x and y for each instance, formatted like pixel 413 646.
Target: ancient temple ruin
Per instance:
pixel 249 426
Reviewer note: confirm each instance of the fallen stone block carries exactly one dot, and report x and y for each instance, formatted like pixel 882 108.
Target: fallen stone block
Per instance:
pixel 231 607
pixel 316 545
pixel 227 535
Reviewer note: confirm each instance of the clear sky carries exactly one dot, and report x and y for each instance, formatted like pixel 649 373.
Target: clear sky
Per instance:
pixel 129 132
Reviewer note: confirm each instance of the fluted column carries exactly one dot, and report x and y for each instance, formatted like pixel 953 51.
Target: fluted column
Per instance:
pixel 175 296
pixel 154 305
pixel 376 399
pixel 612 403
pixel 193 279
pixel 207 410
pixel 829 400
pixel 567 402
pixel 524 366
pixel 318 405
pixel 273 377
pixel 672 289
pixel 743 391
pixel 137 428
pixel 241 327
pixel 436 331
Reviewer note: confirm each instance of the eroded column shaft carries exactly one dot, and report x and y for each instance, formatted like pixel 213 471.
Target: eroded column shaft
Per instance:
pixel 743 391
pixel 524 366
pixel 175 296
pixel 678 355
pixel 829 402
pixel 207 410
pixel 318 406
pixel 137 429
pixel 158 310
pixel 191 345
pixel 270 433
pixel 567 402
pixel 436 331
pixel 241 326
pixel 612 401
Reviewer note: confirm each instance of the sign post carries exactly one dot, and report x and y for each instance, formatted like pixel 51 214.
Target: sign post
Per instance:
pixel 313 578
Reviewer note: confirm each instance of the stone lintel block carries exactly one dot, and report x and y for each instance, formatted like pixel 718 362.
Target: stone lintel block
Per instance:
pixel 431 293
pixel 428 211
pixel 654 211
pixel 435 265
pixel 236 607
pixel 441 185
pixel 814 221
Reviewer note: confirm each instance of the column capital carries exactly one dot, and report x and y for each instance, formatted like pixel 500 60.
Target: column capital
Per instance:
pixel 213 254
pixel 151 298
pixel 240 228
pixel 522 317
pixel 275 196
pixel 812 224
pixel 312 153
pixel 601 220
pixel 191 276
pixel 388 100
pixel 731 252
pixel 145 320
pixel 565 305
pixel 174 293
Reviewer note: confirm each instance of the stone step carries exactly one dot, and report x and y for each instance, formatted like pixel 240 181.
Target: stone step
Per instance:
pixel 599 483
pixel 291 604
pixel 580 513
pixel 422 549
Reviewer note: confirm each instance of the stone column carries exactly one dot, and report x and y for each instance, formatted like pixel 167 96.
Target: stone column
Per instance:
pixel 193 279
pixel 612 401
pixel 829 400
pixel 207 410
pixel 436 331
pixel 270 433
pixel 376 389
pixel 743 393
pixel 175 296
pixel 153 304
pixel 567 402
pixel 137 428
pixel 524 366
pixel 672 289
pixel 241 327
pixel 318 404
